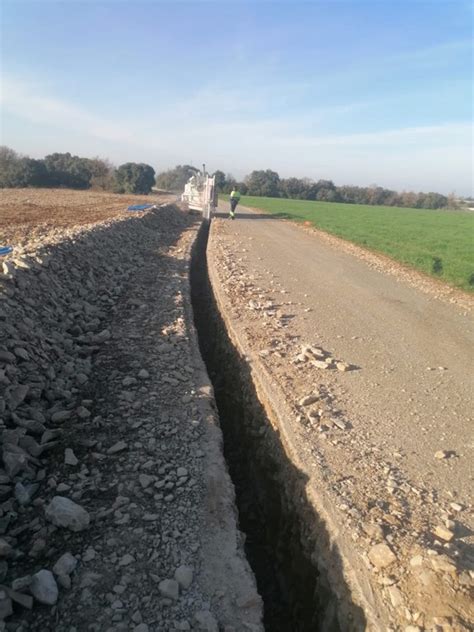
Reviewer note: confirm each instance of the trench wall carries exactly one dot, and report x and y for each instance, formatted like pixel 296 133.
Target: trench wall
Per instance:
pixel 287 542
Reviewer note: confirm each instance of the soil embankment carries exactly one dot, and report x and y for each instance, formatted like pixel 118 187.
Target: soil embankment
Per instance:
pixel 117 512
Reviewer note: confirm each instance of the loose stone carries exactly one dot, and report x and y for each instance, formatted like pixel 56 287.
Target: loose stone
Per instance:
pixel 169 588
pixel 60 416
pixel 65 565
pixel 64 512
pixel 43 587
pixel 184 576
pixel 308 400
pixel 381 555
pixel 126 560
pixel 320 364
pixel 145 480
pixel 69 457
pixel 117 447
pixel 443 533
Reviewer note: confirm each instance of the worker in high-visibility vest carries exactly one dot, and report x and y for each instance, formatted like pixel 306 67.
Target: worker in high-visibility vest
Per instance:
pixel 234 200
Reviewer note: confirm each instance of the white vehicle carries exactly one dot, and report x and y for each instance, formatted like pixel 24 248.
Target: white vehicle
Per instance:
pixel 200 193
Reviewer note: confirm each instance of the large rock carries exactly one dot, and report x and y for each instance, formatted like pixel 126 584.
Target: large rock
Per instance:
pixel 381 555
pixel 43 587
pixel 63 512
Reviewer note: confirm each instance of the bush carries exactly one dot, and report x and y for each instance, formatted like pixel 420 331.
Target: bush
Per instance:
pixel 437 265
pixel 55 170
pixel 133 177
pixel 175 179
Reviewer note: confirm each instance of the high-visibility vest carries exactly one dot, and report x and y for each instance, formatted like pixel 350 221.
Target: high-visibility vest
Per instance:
pixel 235 195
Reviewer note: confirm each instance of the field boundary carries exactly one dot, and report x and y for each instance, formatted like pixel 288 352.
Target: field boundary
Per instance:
pixel 440 290
pixel 436 243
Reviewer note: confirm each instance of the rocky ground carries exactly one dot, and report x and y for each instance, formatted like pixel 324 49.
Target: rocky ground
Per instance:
pixel 361 409
pixel 116 509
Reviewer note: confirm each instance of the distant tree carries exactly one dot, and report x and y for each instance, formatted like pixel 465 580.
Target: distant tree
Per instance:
pixel 7 157
pixel 66 170
pixel 175 179
pixel 103 175
pixel 8 161
pixel 230 183
pixel 21 171
pixel 133 177
pixel 29 172
pixel 452 201
pixel 327 195
pixel 219 180
pixel 408 199
pixel 326 191
pixel 70 171
pixel 263 183
pixel 242 187
pixel 295 188
pixel 431 200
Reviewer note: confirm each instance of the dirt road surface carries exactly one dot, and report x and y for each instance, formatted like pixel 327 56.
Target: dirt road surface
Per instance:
pixel 389 431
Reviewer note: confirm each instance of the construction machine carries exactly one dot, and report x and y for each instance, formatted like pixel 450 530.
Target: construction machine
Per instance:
pixel 200 193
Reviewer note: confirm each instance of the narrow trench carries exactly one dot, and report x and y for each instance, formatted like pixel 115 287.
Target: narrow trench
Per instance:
pixel 275 517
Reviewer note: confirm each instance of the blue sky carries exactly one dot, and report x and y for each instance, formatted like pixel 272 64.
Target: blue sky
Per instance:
pixel 360 92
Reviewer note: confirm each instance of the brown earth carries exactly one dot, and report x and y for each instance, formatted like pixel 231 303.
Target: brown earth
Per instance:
pixel 26 213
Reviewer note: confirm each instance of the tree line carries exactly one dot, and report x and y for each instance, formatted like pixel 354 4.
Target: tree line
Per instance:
pixel 74 172
pixel 66 170
pixel 268 183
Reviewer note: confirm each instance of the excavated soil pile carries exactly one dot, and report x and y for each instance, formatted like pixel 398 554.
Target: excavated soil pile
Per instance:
pixel 116 510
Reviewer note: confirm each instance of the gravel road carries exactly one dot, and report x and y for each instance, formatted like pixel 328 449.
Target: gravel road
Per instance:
pixel 403 389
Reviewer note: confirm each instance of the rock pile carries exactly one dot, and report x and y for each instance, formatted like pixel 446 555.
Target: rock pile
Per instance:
pixel 100 485
pixel 56 299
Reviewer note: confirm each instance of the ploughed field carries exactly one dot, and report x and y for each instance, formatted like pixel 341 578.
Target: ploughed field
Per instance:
pixel 26 213
pixel 438 243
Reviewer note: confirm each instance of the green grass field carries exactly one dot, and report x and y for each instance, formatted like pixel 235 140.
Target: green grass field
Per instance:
pixel 439 243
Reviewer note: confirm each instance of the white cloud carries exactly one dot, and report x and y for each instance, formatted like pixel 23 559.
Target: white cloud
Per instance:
pixel 431 134
pixel 18 98
pixel 230 131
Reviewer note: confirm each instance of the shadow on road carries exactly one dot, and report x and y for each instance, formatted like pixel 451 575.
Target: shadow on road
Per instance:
pixel 249 215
